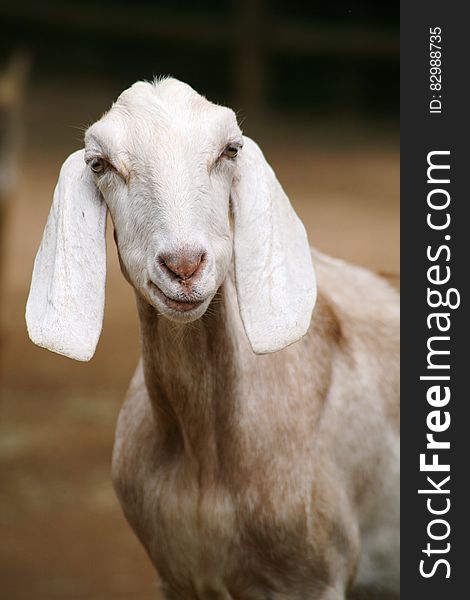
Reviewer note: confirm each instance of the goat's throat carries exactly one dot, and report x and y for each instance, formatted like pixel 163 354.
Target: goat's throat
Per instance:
pixel 190 372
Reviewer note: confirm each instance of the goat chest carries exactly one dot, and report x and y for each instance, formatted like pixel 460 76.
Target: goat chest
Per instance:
pixel 211 538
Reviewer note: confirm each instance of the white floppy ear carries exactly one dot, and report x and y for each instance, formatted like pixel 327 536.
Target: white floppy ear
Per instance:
pixel 64 312
pixel 275 279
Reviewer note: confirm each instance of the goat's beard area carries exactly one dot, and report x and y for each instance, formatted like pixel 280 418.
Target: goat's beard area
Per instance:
pixel 177 309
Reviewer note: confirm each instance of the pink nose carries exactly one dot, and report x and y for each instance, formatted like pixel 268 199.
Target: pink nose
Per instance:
pixel 183 264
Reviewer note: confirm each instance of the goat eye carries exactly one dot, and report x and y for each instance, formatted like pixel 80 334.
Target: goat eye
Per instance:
pixel 231 151
pixel 98 165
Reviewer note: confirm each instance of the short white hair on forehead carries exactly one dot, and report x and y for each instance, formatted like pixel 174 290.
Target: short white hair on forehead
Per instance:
pixel 160 94
pixel 168 97
pixel 158 112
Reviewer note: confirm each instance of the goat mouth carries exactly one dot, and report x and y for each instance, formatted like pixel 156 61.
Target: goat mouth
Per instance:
pixel 176 305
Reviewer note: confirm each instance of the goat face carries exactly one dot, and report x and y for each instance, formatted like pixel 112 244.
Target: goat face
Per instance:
pixel 164 160
pixel 172 169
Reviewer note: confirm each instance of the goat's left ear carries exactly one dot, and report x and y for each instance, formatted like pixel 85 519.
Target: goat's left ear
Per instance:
pixel 65 306
pixel 275 279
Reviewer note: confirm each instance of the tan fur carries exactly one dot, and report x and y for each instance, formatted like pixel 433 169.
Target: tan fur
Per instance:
pixel 270 477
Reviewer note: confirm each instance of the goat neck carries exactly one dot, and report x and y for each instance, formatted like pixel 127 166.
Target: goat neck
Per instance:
pixel 190 374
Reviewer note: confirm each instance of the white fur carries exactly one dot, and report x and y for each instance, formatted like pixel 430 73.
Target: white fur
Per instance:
pixel 275 278
pixel 65 307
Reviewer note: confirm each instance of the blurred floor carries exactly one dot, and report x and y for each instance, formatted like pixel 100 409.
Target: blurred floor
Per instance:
pixel 62 532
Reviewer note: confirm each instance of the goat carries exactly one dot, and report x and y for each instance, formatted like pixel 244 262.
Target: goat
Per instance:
pixel 256 454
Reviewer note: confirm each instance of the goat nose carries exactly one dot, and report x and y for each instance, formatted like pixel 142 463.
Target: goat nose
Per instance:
pixel 182 264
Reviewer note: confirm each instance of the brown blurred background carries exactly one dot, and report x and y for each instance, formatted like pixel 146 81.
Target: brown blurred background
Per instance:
pixel 316 84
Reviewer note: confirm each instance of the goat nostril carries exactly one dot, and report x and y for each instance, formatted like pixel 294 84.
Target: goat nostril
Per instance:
pixel 183 265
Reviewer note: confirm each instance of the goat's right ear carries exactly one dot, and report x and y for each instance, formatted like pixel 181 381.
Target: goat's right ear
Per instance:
pixel 64 312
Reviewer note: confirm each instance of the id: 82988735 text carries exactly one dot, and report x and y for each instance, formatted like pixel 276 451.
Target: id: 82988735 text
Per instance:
pixel 435 69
